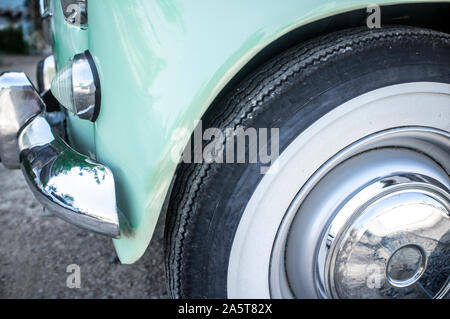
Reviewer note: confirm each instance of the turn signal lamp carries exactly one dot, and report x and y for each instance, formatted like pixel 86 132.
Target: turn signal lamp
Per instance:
pixel 77 87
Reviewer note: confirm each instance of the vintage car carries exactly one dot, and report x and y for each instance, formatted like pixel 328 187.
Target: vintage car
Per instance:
pixel 295 148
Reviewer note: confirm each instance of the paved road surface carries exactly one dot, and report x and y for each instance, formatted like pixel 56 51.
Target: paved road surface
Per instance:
pixel 35 249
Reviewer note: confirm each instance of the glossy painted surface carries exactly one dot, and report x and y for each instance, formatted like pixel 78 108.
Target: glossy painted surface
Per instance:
pixel 67 41
pixel 161 63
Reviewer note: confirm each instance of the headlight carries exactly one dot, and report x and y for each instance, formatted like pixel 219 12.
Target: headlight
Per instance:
pixel 76 86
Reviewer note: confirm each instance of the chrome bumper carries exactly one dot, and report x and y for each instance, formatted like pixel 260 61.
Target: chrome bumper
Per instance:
pixel 67 183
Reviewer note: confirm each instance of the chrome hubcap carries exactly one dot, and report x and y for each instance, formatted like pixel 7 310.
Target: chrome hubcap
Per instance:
pixel 278 249
pixel 374 222
pixel 389 239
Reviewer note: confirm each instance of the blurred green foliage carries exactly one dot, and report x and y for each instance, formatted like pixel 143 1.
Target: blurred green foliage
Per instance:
pixel 11 41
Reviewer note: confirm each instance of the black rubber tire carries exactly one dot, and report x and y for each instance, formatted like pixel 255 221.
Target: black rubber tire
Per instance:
pixel 290 91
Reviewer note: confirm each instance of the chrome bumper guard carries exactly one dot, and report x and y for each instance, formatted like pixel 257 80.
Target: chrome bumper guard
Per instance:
pixel 67 183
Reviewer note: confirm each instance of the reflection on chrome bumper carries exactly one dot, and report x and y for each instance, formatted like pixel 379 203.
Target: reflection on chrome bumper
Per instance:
pixel 73 187
pixel 45 72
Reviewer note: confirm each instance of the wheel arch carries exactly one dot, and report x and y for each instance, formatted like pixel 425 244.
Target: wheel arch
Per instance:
pixel 430 15
pixel 320 21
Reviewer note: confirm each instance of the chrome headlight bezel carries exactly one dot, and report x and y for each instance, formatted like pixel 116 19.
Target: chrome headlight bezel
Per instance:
pixel 86 87
pixel 77 87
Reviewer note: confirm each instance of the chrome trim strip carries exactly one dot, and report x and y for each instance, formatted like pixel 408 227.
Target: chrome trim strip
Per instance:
pixel 44 11
pixel 67 183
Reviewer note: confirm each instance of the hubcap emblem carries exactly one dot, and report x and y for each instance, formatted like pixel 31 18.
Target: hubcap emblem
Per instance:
pixel 406 266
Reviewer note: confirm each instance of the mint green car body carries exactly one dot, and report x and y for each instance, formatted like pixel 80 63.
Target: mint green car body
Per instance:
pixel 161 64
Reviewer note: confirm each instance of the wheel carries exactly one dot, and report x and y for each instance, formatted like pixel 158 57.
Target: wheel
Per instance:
pixel 357 204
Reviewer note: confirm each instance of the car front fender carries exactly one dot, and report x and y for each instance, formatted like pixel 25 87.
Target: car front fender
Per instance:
pixel 161 64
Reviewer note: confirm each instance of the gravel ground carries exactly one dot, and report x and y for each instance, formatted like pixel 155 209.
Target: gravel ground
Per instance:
pixel 35 249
